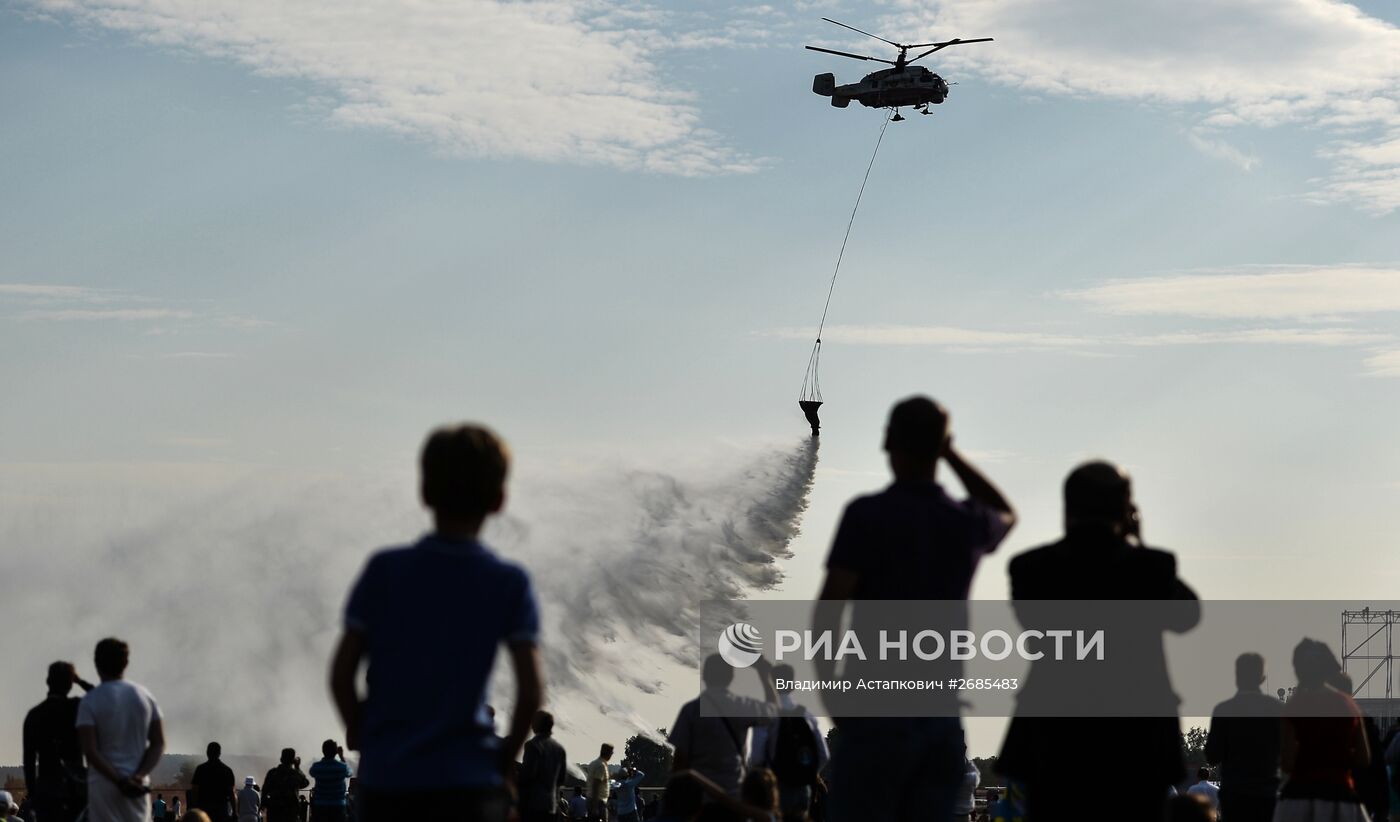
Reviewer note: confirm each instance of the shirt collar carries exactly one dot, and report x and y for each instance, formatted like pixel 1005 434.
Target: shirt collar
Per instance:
pixel 435 542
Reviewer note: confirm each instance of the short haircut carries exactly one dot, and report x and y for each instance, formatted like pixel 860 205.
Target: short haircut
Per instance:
pixel 213 749
pixel 1203 772
pixel 329 747
pixel 605 750
pixel 111 657
pixel 1249 668
pixel 289 755
pixel 918 427
pixel 543 722
pixel 61 676
pixel 1097 490
pixel 463 470
pixel 716 672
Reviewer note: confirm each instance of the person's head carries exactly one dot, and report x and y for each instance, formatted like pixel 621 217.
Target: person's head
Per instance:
pixel 1203 773
pixel 111 658
pixel 1099 496
pixel 160 797
pixel 605 752
pixel 463 472
pixel 760 789
pixel 543 723
pixel 61 677
pixel 784 672
pixel 716 673
pixel 289 755
pixel 213 750
pixel 1249 671
pixel 195 815
pixel 1314 663
pixel 683 798
pixel 5 801
pixel 578 790
pixel 329 748
pixel 915 437
pixel 249 781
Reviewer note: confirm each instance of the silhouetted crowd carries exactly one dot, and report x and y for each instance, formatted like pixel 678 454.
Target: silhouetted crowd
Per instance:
pixel 424 623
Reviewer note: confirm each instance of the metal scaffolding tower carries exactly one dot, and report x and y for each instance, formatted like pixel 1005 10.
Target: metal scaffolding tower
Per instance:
pixel 1361 646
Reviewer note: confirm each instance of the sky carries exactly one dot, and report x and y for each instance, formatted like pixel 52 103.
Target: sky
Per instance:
pixel 252 251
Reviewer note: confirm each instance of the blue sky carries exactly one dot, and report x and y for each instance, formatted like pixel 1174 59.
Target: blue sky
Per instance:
pixel 295 238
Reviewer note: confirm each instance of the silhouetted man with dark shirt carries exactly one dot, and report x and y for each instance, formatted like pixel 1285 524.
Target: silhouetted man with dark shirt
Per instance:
pixel 541 771
pixel 282 787
pixel 1245 739
pixel 911 541
pixel 213 786
pixel 54 772
pixel 1060 717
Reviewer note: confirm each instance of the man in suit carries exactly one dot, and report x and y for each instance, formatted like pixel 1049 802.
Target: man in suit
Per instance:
pixel 1120 711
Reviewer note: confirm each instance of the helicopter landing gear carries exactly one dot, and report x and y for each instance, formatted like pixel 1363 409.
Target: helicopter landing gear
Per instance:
pixel 897 118
pixel 922 108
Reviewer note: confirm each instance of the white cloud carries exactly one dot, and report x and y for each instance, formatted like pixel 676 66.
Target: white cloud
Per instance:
pixel 1221 150
pixel 553 80
pixel 1318 63
pixel 91 314
pixel 47 302
pixel 1383 364
pixel 981 340
pixel 38 291
pixel 1296 292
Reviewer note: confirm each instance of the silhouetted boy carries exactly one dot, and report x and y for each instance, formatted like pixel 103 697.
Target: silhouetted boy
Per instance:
pixel 429 618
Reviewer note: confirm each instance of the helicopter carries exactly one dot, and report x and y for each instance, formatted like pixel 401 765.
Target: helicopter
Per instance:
pixel 903 85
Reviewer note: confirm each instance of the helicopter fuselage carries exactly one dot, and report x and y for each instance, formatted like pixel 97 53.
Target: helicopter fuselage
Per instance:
pixel 887 88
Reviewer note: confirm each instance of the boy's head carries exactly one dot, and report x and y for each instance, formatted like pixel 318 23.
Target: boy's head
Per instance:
pixel 463 471
pixel 213 750
pixel 543 723
pixel 111 658
pixel 605 752
pixel 329 748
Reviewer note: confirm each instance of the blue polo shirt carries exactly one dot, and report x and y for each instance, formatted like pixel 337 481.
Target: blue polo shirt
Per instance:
pixel 331 777
pixel 433 616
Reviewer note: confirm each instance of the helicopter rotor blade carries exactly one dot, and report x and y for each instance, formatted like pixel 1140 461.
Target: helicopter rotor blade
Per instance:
pixel 940 46
pixel 866 33
pixel 848 54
